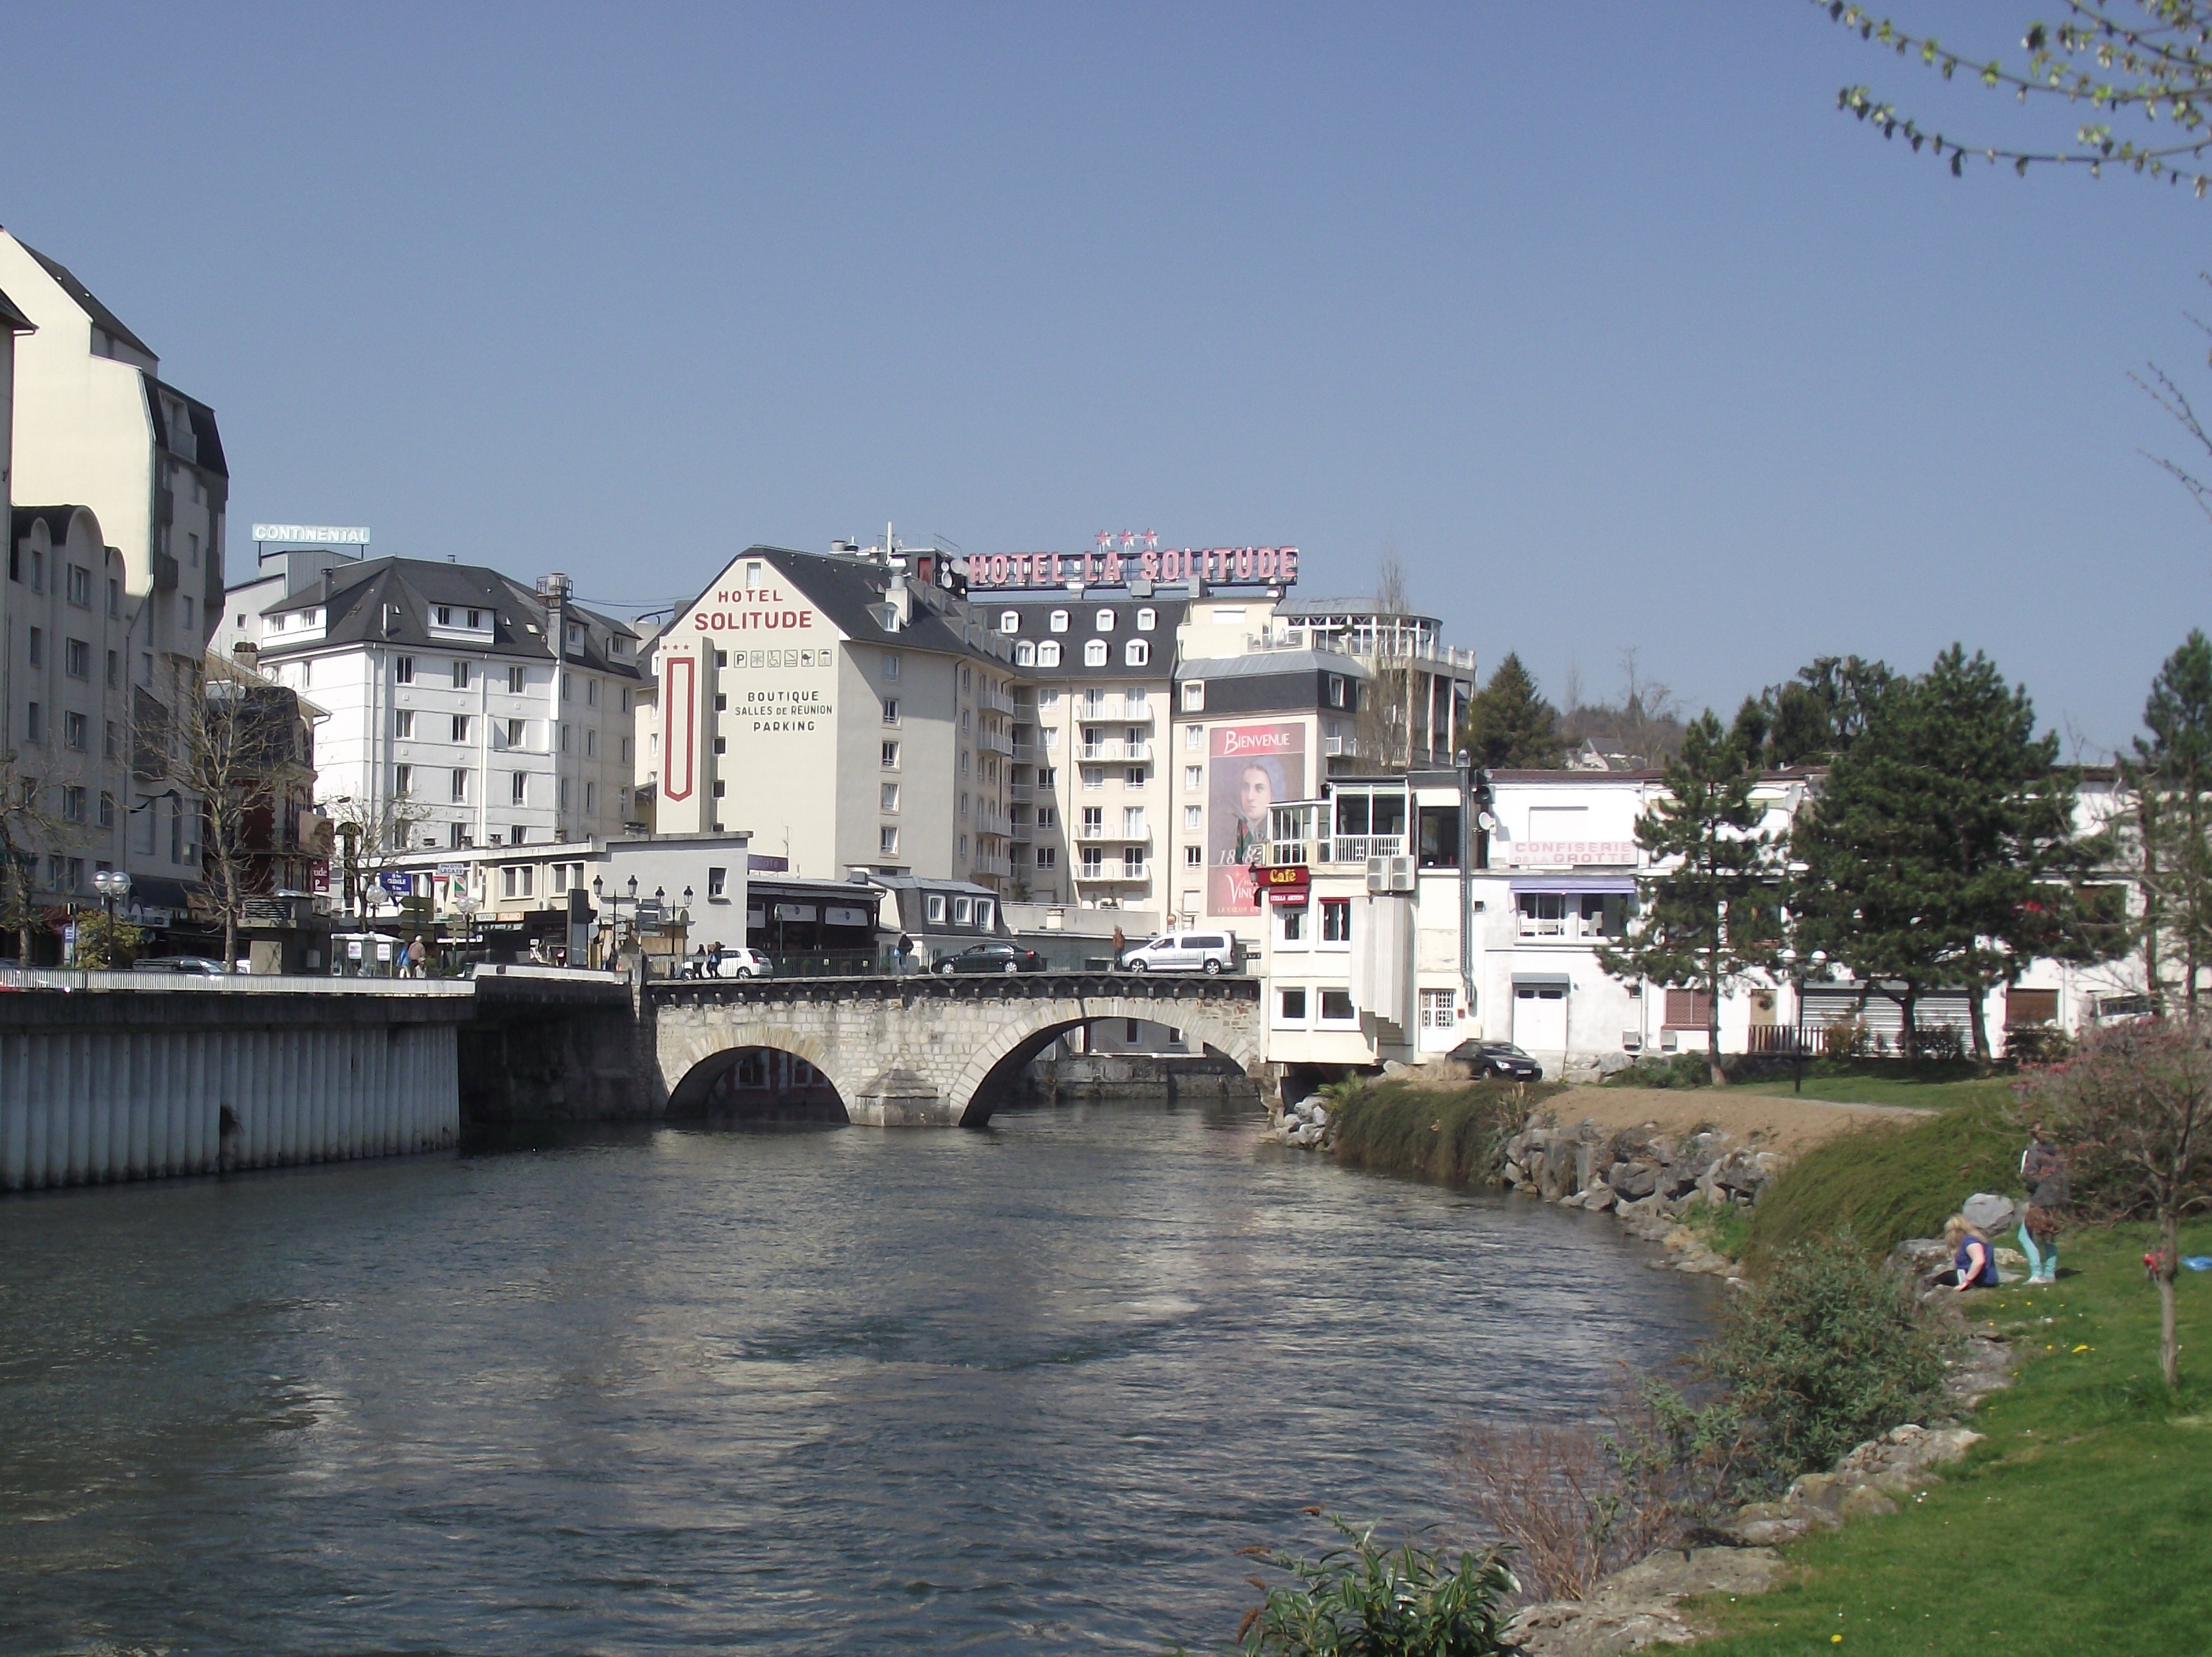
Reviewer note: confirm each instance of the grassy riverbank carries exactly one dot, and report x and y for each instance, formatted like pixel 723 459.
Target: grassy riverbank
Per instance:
pixel 1452 1135
pixel 2084 1523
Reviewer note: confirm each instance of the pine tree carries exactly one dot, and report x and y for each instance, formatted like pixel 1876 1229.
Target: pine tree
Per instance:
pixel 1940 845
pixel 1709 914
pixel 1509 727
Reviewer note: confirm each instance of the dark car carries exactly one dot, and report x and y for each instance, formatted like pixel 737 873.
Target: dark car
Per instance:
pixel 993 958
pixel 1497 1058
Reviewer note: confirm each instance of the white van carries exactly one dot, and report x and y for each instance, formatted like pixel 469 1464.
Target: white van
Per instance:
pixel 1183 952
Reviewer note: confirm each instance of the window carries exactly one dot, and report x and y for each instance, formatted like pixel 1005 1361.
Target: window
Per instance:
pixel 1134 777
pixel 518 788
pixel 1048 816
pixel 1132 821
pixel 1193 857
pixel 517 732
pixel 1439 1009
pixel 112 748
pixel 403 670
pixel 590 693
pixel 516 880
pixel 721 745
pixel 1193 697
pixel 568 734
pixel 1094 653
pixel 720 786
pixel 114 669
pixel 193 539
pixel 515 836
pixel 403 781
pixel 1024 654
pixel 967 680
pixel 887 841
pixel 1049 696
pixel 1336 690
pixel 966 721
pixel 1291 925
pixel 721 659
pixel 1048 653
pixel 1137 652
pixel 1057 621
pixel 625 750
pixel 107 809
pixel 963 911
pixel 890 710
pixel 1105 621
pixel 1147 619
pixel 460 727
pixel 77 659
pixel 590 798
pixel 1009 621
pixel 1094 822
pixel 187 607
pixel 1291 1004
pixel 77 730
pixel 1336 1007
pixel 568 691
pixel 890 797
pixel 891 757
pixel 590 743
pixel 1094 776
pixel 561 794
pixel 936 911
pixel 115 599
pixel 1132 863
pixel 1048 857
pixel 460 787
pixel 37 571
pixel 460 675
pixel 1543 914
pixel 445 616
pixel 73 805
pixel 1094 863
pixel 1688 1009
pixel 1194 818
pixel 514 680
pixel 1336 920
pixel 38 647
pixel 80 586
pixel 625 697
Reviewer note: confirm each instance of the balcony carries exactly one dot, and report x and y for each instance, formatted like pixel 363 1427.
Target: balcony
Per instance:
pixel 993 862
pixel 1020 792
pixel 1100 834
pixel 990 821
pixel 991 742
pixel 1115 871
pixel 997 701
pixel 1027 753
pixel 1115 753
pixel 1357 848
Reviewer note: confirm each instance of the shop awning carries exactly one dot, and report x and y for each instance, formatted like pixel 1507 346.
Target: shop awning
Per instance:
pixel 1622 884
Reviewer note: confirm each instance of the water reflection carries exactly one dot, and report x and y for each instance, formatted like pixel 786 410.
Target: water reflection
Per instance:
pixel 1020 1390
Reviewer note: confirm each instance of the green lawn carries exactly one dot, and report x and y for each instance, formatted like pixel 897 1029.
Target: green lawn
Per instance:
pixel 2083 1524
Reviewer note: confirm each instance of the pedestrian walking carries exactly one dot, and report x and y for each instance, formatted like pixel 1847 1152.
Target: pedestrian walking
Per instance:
pixel 2043 1172
pixel 418 954
pixel 905 955
pixel 1119 944
pixel 714 959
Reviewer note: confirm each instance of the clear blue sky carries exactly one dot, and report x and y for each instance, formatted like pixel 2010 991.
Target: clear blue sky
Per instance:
pixel 1600 315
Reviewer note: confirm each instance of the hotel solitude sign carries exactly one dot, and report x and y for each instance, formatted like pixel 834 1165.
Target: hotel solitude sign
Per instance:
pixel 1129 557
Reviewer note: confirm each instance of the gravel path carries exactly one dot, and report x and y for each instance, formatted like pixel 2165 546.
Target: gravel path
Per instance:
pixel 1783 1123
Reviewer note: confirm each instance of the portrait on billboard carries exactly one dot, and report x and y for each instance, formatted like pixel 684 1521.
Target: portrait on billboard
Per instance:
pixel 1252 766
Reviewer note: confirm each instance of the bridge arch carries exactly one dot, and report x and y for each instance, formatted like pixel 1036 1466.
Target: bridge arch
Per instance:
pixel 934 1052
pixel 757 1084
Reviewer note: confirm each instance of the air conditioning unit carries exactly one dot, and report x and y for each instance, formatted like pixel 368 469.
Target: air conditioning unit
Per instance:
pixel 1390 874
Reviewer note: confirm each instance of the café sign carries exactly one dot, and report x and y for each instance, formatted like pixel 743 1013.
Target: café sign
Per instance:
pixel 1287 884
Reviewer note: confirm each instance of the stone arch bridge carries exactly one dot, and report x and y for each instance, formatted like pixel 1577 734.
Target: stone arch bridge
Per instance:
pixel 934 1052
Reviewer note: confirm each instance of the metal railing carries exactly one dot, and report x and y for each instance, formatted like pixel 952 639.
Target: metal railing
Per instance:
pixel 991 742
pixel 1357 848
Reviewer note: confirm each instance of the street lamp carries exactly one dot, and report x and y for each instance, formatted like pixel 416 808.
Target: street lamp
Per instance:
pixel 111 883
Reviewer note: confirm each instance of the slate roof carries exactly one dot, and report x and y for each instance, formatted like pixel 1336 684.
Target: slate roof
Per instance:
pixel 1267 663
pixel 361 594
pixel 85 297
pixel 208 440
pixel 850 591
pixel 57 519
pixel 1083 626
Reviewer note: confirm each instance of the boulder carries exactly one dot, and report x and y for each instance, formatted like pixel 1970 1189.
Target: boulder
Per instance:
pixel 1636 1607
pixel 1633 1180
pixel 1989 1211
pixel 1598 1198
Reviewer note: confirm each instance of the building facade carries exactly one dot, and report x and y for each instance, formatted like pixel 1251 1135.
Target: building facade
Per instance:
pixel 95 424
pixel 464 709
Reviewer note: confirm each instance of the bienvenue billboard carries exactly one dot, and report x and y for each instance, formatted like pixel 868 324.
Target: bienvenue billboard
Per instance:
pixel 1251 768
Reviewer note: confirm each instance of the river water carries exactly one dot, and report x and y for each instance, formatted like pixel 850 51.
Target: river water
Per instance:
pixel 1021 1390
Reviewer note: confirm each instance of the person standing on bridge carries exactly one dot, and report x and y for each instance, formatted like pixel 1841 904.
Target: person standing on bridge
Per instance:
pixel 1119 944
pixel 417 954
pixel 905 955
pixel 714 959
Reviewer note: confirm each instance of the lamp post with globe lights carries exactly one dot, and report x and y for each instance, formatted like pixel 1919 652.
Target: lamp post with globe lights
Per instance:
pixel 112 885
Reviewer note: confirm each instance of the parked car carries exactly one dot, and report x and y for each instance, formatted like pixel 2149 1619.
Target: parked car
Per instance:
pixel 1183 952
pixel 191 966
pixel 1497 1058
pixel 737 963
pixel 993 958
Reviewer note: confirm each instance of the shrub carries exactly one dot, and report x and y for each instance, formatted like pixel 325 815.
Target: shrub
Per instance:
pixel 1684 1069
pixel 1825 1352
pixel 1364 1600
pixel 1846 1039
pixel 1456 1136
pixel 1941 1043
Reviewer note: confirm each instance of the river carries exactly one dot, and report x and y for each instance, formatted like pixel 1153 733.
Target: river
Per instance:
pixel 1020 1390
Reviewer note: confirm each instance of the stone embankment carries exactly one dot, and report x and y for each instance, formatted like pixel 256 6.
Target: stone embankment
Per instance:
pixel 1650 1182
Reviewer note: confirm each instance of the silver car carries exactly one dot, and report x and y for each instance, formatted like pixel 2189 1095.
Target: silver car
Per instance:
pixel 1183 952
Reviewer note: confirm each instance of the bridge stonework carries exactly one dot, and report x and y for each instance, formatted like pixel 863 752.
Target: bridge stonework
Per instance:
pixel 924 1052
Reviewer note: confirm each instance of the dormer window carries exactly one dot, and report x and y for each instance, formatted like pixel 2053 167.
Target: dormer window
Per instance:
pixel 1009 621
pixel 1105 621
pixel 1060 621
pixel 1025 655
pixel 1094 652
pixel 445 616
pixel 476 619
pixel 1048 653
pixel 1147 619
